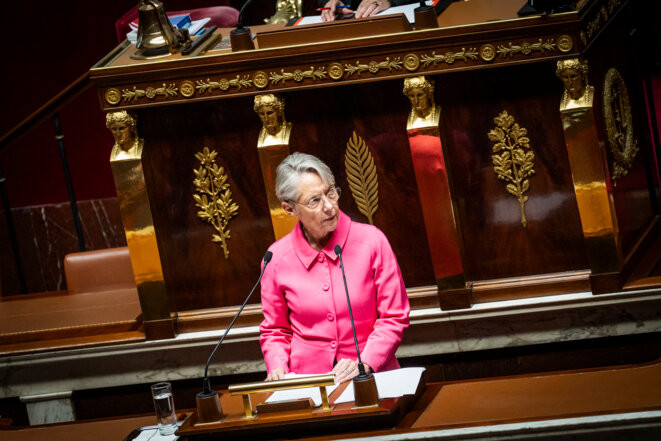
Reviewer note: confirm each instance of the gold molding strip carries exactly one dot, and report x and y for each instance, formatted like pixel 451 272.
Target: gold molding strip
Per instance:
pixel 514 164
pixel 298 75
pixel 449 57
pixel 150 92
pixel 335 71
pixel 214 197
pixel 374 66
pixel 224 84
pixel 525 48
pixel 362 177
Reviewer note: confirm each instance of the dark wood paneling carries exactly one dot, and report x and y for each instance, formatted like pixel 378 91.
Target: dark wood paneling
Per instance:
pixel 496 244
pixel 196 273
pixel 620 48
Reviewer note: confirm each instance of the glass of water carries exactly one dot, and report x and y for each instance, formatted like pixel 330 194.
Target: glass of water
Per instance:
pixel 164 406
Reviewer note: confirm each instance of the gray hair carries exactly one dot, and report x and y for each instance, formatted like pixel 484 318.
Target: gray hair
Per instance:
pixel 289 171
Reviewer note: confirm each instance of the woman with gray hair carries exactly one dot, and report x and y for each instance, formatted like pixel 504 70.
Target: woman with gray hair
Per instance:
pixel 306 327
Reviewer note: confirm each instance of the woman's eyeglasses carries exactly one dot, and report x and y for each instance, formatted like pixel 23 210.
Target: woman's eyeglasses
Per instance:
pixel 333 194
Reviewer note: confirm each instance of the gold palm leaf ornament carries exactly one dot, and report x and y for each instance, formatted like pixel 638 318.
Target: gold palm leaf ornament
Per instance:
pixel 214 197
pixel 362 177
pixel 514 164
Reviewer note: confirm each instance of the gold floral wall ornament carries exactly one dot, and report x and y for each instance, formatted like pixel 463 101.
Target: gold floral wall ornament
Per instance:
pixel 214 197
pixel 298 75
pixel 526 48
pixel 619 123
pixel 449 57
pixel 150 92
pixel 362 177
pixel 374 66
pixel 514 164
pixel 223 84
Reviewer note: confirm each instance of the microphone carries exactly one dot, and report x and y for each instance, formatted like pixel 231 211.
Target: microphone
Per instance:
pixel 364 384
pixel 208 404
pixel 361 366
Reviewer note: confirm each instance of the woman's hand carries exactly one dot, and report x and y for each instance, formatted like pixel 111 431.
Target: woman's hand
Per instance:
pixel 346 369
pixel 371 7
pixel 276 374
pixel 329 15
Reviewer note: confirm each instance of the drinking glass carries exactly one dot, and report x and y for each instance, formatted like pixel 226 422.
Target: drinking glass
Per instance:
pixel 164 406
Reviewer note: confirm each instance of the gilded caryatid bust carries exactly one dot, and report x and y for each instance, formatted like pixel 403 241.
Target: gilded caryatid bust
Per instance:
pixel 271 111
pixel 574 76
pixel 424 111
pixel 123 127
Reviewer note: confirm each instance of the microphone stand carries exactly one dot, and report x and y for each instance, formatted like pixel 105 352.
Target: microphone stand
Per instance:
pixel 208 403
pixel 364 384
pixel 240 38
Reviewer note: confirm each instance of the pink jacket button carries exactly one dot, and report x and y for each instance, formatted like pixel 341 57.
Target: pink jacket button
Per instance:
pixel 333 344
pixel 325 286
pixel 330 317
pixel 321 257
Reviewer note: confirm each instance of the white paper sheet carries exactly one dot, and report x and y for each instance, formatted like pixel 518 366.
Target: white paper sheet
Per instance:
pixel 405 9
pixel 390 384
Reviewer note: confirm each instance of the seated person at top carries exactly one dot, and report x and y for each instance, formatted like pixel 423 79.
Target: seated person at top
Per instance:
pixel 306 327
pixel 361 8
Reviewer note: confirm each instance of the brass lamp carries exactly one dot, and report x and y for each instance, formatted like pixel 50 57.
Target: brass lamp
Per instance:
pixel 156 35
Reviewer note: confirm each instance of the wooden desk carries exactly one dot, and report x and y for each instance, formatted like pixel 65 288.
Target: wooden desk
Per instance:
pixel 56 320
pixel 478 403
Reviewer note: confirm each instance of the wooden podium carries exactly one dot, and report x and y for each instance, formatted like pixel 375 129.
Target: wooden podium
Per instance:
pixel 340 418
pixel 492 71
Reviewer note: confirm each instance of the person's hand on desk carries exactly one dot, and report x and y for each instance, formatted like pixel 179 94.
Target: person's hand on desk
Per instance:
pixel 331 9
pixel 346 369
pixel 367 8
pixel 276 374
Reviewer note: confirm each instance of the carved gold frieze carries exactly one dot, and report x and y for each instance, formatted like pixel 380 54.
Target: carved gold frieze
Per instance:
pixel 525 48
pixel 362 177
pixel 374 66
pixel 113 96
pixel 514 165
pixel 297 75
pixel 224 84
pixel 619 123
pixel 214 197
pixel 449 57
pixel 167 90
pixel 598 19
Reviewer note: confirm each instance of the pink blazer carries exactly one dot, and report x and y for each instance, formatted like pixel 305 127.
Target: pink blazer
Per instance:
pixel 306 325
